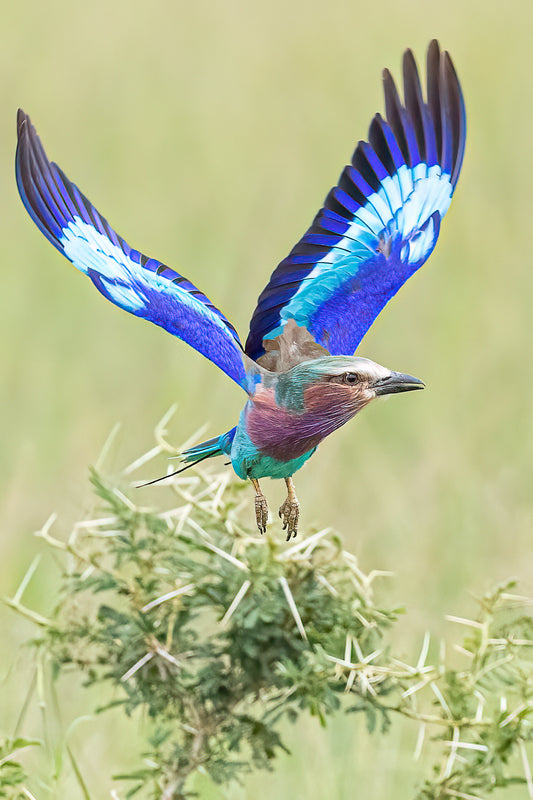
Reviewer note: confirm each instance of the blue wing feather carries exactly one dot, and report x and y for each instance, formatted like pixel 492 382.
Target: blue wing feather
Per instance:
pixel 380 223
pixel 141 285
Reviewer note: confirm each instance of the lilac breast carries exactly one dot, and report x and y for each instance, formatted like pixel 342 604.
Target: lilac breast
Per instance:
pixel 285 435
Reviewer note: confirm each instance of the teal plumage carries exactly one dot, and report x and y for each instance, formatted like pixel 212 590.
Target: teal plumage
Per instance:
pixel 378 225
pixel 247 460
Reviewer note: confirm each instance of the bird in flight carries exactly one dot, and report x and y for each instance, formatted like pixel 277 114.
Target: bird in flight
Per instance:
pixel 377 226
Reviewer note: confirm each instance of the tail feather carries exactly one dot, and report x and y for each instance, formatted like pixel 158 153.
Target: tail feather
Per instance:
pixel 219 445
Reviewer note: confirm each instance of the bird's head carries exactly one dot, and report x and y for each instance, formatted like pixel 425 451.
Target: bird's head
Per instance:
pixel 339 383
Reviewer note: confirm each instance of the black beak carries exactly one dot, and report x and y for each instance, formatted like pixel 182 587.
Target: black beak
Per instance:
pixel 397 382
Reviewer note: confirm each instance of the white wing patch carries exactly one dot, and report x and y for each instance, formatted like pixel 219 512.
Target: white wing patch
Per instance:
pixel 123 279
pixel 124 296
pixel 88 249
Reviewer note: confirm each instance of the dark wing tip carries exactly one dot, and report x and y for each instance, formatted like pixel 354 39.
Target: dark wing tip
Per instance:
pixel 389 86
pixel 26 133
pixel 434 49
pixel 408 57
pixel 394 113
pixel 414 101
pixel 23 125
pixel 456 107
pixel 440 118
pixel 25 128
pixel 21 119
pixel 41 194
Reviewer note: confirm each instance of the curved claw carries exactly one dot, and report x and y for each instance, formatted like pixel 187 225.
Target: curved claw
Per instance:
pixel 289 513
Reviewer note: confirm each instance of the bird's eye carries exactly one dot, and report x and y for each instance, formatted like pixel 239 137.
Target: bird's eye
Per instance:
pixel 351 378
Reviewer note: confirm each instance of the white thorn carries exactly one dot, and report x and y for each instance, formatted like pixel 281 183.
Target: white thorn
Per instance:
pixel 462 621
pixel 138 664
pixel 438 694
pixel 107 446
pixel 168 596
pixel 30 572
pixel 223 554
pixel 348 648
pixel 451 758
pixel 303 544
pixel 142 460
pixel 423 653
pixel 327 585
pixel 419 741
pixel 467 745
pixel 235 602
pixel 292 605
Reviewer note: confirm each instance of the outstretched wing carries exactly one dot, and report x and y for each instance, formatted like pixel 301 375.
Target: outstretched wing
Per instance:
pixel 143 286
pixel 380 223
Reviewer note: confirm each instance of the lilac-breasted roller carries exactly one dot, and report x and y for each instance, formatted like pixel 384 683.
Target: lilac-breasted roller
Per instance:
pixel 378 225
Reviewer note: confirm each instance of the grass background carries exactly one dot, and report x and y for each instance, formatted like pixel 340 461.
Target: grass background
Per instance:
pixel 208 134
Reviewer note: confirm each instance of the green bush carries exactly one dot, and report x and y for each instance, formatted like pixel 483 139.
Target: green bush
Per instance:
pixel 219 635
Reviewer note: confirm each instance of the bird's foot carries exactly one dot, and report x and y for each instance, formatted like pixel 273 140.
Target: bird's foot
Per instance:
pixel 289 513
pixel 261 512
pixel 261 507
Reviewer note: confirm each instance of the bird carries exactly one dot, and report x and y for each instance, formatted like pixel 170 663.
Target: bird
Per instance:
pixel 378 225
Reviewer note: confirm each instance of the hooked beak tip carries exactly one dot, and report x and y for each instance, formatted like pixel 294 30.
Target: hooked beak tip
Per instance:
pixel 397 382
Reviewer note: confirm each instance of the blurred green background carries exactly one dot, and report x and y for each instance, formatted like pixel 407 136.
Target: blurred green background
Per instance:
pixel 208 134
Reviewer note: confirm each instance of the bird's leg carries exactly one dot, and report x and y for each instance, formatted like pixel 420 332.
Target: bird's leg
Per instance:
pixel 261 507
pixel 290 510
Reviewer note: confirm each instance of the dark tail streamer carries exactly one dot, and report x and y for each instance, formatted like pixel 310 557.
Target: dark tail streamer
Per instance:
pixel 171 474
